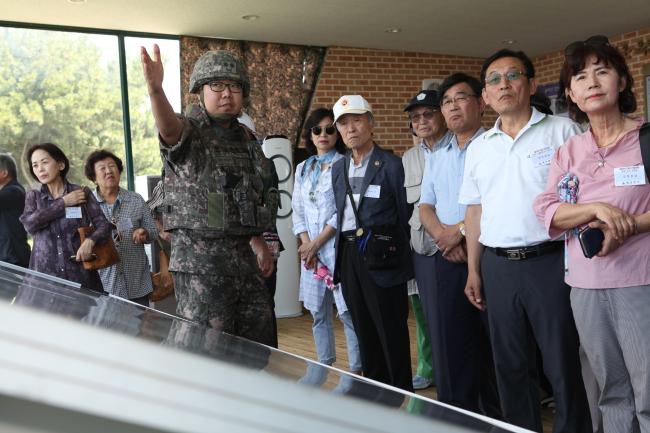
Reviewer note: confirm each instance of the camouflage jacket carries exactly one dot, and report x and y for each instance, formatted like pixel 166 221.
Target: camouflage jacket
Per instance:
pixel 218 185
pixel 218 180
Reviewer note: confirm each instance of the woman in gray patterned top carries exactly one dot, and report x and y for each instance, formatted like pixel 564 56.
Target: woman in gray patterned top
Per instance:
pixel 133 227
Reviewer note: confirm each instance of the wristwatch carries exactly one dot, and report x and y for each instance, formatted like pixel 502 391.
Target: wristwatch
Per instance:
pixel 461 227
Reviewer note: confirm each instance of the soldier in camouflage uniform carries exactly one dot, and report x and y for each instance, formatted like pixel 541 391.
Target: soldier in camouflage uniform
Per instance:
pixel 219 199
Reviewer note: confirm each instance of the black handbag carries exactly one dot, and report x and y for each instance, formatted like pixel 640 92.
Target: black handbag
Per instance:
pixel 379 246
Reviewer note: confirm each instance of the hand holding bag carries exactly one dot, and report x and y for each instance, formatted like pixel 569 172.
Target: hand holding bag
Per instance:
pixel 104 253
pixel 163 283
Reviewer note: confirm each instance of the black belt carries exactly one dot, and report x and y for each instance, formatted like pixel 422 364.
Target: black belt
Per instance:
pixel 349 236
pixel 523 253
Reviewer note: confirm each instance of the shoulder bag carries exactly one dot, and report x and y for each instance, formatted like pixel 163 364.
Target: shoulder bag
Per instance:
pixel 104 253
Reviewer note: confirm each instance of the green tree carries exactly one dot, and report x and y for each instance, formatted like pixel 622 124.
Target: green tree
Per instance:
pixel 64 88
pixel 54 87
pixel 144 135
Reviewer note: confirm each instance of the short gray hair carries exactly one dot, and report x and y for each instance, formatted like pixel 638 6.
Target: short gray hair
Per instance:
pixel 8 163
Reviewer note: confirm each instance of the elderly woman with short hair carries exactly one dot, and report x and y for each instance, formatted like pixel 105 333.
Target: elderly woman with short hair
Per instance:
pixel 597 180
pixel 133 226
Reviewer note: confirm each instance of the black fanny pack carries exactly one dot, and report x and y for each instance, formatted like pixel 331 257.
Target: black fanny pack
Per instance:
pixel 381 247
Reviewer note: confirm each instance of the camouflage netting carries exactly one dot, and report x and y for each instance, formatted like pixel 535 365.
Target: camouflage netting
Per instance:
pixel 282 78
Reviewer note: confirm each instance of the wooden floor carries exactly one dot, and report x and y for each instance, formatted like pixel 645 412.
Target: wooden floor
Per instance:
pixel 294 336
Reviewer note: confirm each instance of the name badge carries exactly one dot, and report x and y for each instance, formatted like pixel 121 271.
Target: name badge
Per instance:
pixel 73 212
pixel 373 191
pixel 628 176
pixel 542 157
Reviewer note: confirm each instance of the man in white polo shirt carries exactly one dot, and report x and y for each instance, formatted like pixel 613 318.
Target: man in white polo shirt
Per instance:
pixel 511 259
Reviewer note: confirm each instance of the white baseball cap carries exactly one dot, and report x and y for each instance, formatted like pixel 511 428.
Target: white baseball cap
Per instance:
pixel 351 104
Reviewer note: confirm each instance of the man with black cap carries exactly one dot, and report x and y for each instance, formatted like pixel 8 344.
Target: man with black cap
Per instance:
pixel 430 131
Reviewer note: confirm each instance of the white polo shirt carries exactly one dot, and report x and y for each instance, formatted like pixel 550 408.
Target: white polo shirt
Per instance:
pixel 504 176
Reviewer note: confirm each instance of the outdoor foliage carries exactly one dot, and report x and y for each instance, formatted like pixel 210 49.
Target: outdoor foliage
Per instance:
pixel 62 88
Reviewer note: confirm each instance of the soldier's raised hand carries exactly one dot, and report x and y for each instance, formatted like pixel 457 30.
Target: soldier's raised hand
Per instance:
pixel 152 69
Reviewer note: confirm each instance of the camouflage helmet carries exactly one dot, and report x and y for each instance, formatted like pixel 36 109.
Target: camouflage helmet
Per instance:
pixel 215 65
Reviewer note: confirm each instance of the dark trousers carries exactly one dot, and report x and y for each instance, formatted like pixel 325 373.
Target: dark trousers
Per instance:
pixel 528 302
pixel 379 315
pixel 142 300
pixel 271 283
pixel 461 350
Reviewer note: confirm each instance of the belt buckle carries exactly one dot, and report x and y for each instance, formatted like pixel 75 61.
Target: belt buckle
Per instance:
pixel 515 254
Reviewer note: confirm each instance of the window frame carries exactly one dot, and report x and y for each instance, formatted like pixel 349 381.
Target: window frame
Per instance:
pixel 124 92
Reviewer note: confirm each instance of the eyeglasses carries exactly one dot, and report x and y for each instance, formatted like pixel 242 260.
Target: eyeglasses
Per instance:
pixel 594 41
pixel 460 98
pixel 329 130
pixel 495 78
pixel 415 118
pixel 218 86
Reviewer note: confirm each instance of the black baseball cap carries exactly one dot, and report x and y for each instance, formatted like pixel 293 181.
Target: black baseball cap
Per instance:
pixel 428 98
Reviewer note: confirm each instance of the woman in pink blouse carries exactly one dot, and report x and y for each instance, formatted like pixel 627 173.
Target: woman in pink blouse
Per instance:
pixel 597 179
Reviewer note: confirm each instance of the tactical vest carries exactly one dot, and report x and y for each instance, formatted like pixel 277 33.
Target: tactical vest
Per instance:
pixel 222 185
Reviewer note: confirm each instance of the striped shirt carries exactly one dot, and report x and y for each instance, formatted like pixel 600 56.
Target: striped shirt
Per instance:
pixel 130 278
pixel 356 173
pixel 157 198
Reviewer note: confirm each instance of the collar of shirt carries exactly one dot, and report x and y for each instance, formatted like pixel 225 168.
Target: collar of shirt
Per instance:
pixel 364 160
pixel 604 151
pixel 535 118
pixel 45 191
pixel 444 140
pixel 100 199
pixel 453 141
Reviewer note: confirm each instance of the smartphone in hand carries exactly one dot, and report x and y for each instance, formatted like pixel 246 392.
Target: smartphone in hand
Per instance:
pixel 591 241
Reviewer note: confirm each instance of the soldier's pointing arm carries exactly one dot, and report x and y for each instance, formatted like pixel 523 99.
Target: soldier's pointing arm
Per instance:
pixel 169 126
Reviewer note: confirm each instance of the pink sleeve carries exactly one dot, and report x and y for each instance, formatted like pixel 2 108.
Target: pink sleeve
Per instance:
pixel 546 204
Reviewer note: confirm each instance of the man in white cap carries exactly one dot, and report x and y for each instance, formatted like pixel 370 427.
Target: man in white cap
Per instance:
pixel 373 256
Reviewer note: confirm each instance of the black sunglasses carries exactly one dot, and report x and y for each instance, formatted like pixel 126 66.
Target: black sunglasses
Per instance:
pixel 594 41
pixel 329 130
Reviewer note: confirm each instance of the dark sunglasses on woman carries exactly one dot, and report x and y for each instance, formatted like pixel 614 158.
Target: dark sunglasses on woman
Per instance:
pixel 594 41
pixel 329 130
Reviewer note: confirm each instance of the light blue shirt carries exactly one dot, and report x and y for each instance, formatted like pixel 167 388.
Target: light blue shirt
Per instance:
pixel 437 145
pixel 443 177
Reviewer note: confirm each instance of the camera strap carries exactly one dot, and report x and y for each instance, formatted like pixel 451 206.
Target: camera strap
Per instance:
pixel 348 190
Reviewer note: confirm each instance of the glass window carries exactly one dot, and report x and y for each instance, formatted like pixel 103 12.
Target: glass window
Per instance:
pixel 144 135
pixel 59 87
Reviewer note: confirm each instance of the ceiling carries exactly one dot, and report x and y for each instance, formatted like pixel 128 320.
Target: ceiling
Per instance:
pixel 459 27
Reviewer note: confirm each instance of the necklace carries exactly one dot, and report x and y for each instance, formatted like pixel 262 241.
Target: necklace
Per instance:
pixel 601 161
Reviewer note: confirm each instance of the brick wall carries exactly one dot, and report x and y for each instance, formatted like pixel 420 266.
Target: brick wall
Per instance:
pixel 635 46
pixel 387 79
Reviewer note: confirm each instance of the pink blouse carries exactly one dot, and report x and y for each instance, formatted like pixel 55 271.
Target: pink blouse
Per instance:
pixel 629 265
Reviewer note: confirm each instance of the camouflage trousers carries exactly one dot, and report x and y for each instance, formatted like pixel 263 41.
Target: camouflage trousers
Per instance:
pixel 238 305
